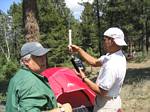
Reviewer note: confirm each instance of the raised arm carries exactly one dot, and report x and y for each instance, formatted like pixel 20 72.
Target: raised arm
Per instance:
pixel 88 58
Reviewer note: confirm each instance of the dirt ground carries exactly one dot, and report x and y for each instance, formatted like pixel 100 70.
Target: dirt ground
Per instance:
pixel 135 92
pixel 136 89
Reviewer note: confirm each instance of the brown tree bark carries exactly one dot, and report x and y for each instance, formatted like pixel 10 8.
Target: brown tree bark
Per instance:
pixel 30 20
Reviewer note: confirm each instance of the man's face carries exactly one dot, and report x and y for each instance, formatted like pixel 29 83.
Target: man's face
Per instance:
pixel 37 63
pixel 108 43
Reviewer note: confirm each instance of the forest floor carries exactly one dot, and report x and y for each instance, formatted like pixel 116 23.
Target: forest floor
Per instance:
pixel 135 92
pixel 136 89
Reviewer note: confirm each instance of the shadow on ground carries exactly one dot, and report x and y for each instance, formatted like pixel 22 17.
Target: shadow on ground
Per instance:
pixel 134 75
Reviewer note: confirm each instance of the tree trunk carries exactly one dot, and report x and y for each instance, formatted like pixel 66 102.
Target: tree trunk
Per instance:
pixel 30 20
pixel 98 28
pixel 5 49
pixel 147 36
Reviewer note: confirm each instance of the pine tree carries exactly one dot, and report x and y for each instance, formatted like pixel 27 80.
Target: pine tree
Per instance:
pixel 88 28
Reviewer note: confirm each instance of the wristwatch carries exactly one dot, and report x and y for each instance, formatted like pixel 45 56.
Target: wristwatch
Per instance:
pixel 62 109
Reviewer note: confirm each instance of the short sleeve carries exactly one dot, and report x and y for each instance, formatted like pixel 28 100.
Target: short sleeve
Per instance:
pixel 103 59
pixel 107 78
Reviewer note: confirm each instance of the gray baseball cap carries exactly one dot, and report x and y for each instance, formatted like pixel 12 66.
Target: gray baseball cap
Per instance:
pixel 33 48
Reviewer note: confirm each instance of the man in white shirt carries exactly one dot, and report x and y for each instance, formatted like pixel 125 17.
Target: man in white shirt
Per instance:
pixel 112 72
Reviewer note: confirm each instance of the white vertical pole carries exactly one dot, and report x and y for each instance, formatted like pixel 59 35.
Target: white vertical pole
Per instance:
pixel 70 38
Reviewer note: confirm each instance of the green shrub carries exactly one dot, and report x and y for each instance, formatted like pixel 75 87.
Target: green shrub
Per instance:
pixel 8 69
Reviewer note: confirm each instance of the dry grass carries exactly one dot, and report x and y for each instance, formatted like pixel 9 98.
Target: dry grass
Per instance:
pixel 136 90
pixel 136 97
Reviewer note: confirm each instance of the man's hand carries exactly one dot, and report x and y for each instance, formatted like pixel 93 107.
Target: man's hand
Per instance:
pixel 73 48
pixel 67 107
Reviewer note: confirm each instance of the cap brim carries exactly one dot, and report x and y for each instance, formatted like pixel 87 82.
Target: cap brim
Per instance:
pixel 40 52
pixel 120 42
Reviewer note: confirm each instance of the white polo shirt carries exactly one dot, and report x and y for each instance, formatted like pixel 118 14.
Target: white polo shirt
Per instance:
pixel 112 73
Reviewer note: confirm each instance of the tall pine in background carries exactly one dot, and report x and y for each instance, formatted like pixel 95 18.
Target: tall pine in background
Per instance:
pixel 88 29
pixel 54 19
